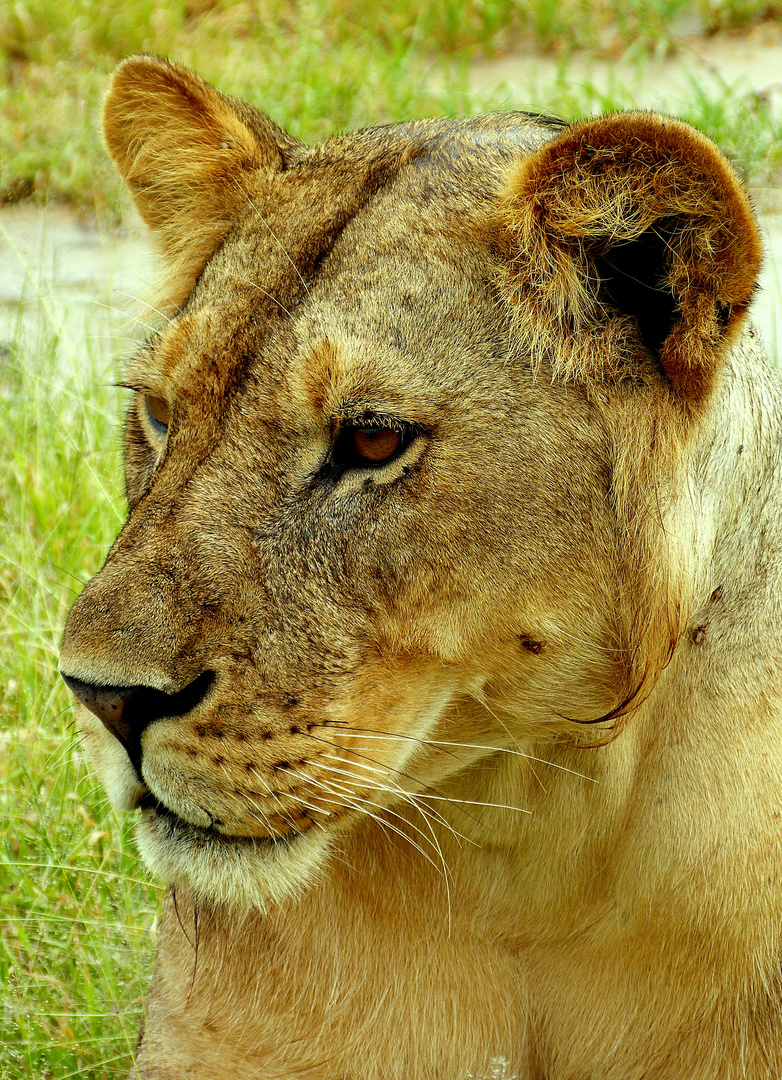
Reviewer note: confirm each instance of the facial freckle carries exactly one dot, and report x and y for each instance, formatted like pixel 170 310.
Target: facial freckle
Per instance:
pixel 531 645
pixel 218 762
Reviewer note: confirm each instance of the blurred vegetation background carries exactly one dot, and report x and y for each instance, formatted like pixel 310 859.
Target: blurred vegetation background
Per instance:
pixel 77 913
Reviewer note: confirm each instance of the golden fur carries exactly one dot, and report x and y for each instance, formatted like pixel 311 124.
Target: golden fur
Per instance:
pixel 476 752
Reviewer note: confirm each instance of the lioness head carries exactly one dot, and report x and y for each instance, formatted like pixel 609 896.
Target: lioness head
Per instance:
pixel 396 460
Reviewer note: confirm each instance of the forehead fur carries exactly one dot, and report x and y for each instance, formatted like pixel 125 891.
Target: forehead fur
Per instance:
pixel 361 291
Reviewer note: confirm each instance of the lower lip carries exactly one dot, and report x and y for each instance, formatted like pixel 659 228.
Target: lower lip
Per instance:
pixel 150 804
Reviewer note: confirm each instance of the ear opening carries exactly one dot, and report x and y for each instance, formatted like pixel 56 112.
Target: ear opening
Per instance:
pixel 631 251
pixel 631 280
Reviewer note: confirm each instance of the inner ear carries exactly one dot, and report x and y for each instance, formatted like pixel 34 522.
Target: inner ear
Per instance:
pixel 632 279
pixel 626 237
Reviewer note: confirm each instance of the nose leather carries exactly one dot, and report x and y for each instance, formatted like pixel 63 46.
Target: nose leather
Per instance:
pixel 107 702
pixel 126 711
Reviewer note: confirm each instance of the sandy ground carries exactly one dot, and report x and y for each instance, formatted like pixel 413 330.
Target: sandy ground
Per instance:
pixel 64 281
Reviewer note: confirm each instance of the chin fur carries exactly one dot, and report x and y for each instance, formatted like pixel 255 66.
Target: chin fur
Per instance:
pixel 238 872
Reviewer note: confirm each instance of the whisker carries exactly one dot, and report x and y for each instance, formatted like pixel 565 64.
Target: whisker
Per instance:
pixel 93 303
pixel 426 813
pixel 372 734
pixel 476 746
pixel 255 285
pixel 474 802
pixel 284 813
pixel 355 796
pixel 62 570
pixel 279 242
pixel 395 789
pixel 355 802
pixel 389 769
pixel 264 820
pixel 146 304
pixel 311 806
pixel 368 802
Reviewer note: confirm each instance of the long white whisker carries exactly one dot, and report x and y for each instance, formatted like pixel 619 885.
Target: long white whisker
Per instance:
pixel 144 303
pixel 368 802
pixel 392 787
pixel 355 753
pixel 357 803
pixel 397 788
pixel 282 247
pixel 264 820
pixel 440 798
pixel 96 304
pixel 284 813
pixel 476 746
pixel 311 806
pixel 426 813
pixel 473 802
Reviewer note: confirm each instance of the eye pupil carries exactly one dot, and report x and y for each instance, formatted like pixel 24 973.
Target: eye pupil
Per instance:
pixel 158 410
pixel 376 444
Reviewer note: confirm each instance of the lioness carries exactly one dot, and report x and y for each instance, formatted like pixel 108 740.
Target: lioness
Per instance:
pixel 440 652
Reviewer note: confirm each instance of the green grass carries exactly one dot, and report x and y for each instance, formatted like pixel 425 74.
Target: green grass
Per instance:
pixel 76 913
pixel 75 943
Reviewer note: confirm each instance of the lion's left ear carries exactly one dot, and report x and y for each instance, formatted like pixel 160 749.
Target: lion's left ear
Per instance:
pixel 630 251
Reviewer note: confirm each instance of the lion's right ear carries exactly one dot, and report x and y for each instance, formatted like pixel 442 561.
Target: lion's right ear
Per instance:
pixel 190 156
pixel 631 254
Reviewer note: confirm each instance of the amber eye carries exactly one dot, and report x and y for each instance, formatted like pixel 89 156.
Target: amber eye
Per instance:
pixel 375 445
pixel 159 412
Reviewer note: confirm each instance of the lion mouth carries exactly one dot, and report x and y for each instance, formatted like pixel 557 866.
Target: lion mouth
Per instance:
pixel 152 809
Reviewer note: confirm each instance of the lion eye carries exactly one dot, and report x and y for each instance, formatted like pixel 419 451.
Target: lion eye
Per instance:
pixel 158 411
pixel 375 445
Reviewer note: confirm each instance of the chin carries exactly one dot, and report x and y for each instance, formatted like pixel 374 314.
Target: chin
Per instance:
pixel 242 873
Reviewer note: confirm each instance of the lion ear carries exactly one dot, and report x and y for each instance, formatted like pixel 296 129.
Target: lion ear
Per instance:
pixel 631 251
pixel 190 157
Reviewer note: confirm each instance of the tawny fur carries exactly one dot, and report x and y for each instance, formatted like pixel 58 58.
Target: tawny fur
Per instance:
pixel 490 762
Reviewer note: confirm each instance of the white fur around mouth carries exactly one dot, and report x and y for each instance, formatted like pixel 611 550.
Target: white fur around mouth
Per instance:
pixel 239 871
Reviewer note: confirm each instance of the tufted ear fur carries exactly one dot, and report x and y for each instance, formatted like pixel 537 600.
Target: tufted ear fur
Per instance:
pixel 631 250
pixel 190 156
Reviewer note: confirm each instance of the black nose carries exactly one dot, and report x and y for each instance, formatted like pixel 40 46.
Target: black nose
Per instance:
pixel 126 711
